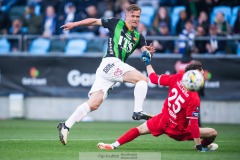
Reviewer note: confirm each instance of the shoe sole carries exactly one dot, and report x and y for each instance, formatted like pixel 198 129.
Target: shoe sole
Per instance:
pixel 60 135
pixel 145 117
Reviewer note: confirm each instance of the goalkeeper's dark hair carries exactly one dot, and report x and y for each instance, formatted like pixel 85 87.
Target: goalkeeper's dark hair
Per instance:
pixel 193 66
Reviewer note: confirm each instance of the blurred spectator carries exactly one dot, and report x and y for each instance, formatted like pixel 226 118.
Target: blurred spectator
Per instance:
pixel 5 21
pixel 186 38
pixel 103 32
pixel 81 5
pixel 161 16
pixel 49 22
pixel 191 8
pixel 163 46
pixel 200 45
pixel 203 20
pixel 121 6
pixel 143 30
pixel 181 22
pixel 215 46
pixel 236 27
pixel 69 15
pixel 16 29
pixel 32 21
pixel 55 3
pixel 91 12
pixel 222 25
pixel 103 6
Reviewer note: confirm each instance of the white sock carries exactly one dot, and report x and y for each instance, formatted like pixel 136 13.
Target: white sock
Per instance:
pixel 78 114
pixel 140 92
pixel 116 144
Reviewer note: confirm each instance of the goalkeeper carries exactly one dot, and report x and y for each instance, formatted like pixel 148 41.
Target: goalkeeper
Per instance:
pixel 179 117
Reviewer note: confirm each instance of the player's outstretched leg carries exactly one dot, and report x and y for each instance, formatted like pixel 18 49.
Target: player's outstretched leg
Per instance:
pixel 63 132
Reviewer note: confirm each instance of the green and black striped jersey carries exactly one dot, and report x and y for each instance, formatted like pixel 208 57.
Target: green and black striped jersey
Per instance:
pixel 121 42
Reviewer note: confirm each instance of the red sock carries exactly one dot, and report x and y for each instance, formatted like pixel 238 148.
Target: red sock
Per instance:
pixel 129 136
pixel 206 142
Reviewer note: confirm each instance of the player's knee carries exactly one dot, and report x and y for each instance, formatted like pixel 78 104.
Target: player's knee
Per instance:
pixel 213 133
pixel 142 82
pixel 94 104
pixel 144 79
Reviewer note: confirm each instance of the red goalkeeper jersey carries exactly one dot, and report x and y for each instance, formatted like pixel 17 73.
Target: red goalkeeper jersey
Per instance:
pixel 180 105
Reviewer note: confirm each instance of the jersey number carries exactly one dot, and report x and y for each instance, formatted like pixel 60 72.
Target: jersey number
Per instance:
pixel 175 101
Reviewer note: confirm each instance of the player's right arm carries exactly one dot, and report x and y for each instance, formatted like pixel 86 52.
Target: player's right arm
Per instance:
pixel 85 22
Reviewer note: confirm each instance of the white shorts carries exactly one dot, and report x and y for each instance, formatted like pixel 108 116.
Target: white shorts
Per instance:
pixel 109 72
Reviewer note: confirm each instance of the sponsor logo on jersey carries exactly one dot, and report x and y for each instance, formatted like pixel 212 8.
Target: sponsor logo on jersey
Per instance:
pixel 108 67
pixel 195 114
pixel 34 79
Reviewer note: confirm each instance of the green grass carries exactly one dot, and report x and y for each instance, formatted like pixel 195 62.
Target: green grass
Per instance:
pixel 38 140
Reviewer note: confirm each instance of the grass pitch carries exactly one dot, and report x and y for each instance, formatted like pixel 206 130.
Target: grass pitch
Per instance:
pixel 38 140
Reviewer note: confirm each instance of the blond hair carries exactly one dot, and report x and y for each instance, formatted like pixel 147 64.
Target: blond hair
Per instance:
pixel 133 7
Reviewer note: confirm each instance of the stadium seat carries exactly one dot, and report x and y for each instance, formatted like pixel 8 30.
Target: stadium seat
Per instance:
pixel 234 15
pixel 147 15
pixel 4 46
pixel 57 45
pixel 76 47
pixel 226 10
pixel 175 15
pixel 95 46
pixel 39 46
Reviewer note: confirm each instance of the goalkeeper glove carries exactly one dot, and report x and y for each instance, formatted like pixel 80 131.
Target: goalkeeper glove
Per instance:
pixel 201 148
pixel 146 58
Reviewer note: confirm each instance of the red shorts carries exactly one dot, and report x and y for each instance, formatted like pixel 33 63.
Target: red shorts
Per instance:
pixel 159 125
